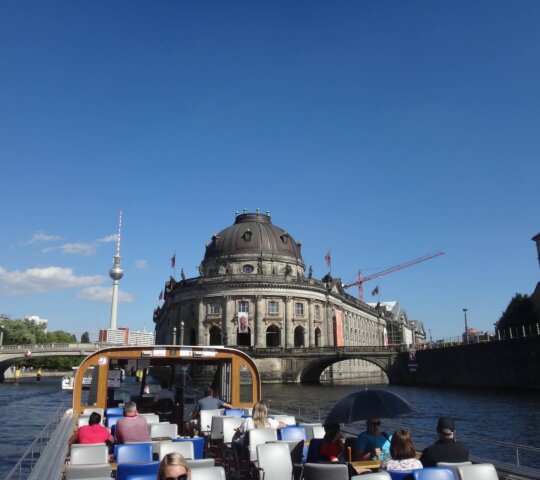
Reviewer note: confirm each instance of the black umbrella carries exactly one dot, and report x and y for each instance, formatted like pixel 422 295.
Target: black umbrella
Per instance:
pixel 366 404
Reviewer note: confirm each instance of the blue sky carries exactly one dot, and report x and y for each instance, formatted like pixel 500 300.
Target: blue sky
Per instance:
pixel 380 130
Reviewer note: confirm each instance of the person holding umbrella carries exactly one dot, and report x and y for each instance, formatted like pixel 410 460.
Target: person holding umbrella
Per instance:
pixel 373 443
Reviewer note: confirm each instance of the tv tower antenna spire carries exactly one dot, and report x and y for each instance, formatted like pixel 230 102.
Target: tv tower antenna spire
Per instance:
pixel 116 273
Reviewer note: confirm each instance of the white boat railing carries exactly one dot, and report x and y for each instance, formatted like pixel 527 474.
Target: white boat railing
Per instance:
pixel 30 458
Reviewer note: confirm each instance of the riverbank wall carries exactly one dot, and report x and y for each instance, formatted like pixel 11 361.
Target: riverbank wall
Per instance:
pixel 507 364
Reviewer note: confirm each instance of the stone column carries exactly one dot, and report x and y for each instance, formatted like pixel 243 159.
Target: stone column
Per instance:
pixel 228 325
pixel 200 323
pixel 286 319
pixel 259 321
pixel 289 334
pixel 328 341
pixel 311 329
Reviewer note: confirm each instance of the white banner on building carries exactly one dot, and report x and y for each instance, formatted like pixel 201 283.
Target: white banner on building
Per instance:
pixel 243 324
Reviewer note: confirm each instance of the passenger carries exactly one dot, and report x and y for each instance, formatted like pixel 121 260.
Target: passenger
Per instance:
pixel 132 428
pixel 446 449
pixel 209 402
pixel 173 467
pixel 94 432
pixel 373 443
pixel 259 419
pixel 403 453
pixel 332 444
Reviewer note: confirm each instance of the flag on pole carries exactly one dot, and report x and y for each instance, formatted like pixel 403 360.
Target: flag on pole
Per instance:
pixel 328 258
pixel 375 291
pixel 173 261
pixel 161 295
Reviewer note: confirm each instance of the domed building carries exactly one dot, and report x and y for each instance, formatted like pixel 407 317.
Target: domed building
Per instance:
pixel 253 291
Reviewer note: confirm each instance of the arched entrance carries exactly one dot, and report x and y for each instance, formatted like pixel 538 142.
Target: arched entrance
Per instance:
pixel 243 339
pixel 317 337
pixel 299 336
pixel 215 335
pixel 272 336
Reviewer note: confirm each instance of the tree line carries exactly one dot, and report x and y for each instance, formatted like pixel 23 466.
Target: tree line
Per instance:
pixel 28 332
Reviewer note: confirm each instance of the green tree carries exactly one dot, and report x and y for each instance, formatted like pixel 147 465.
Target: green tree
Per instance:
pixel 520 311
pixel 85 337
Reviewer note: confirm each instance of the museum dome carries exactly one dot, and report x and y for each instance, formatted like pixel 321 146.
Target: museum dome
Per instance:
pixel 253 234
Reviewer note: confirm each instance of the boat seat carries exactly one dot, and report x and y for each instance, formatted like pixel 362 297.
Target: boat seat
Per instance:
pixel 286 419
pixel 89 410
pixel 453 466
pixel 82 420
pixel 163 430
pixel 274 461
pixel 434 473
pixel 325 471
pixel 233 412
pixel 114 411
pixel 133 453
pixel 400 474
pixel 98 471
pixel 186 449
pixel 208 473
pixel 258 436
pixel 372 476
pixel 205 419
pixel 201 463
pixel 313 430
pixel 85 454
pixel 124 470
pixel 477 471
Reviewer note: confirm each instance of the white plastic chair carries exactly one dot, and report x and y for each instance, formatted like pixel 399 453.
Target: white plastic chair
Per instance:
pixel 205 417
pixel 163 430
pixel 89 410
pixel 208 473
pixel 286 419
pixel 185 449
pixel 95 472
pixel 477 471
pixel 257 437
pixel 201 463
pixel 310 429
pixel 274 461
pixel 85 454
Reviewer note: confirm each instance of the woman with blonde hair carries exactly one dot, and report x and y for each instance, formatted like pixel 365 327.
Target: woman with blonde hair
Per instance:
pixel 259 419
pixel 173 467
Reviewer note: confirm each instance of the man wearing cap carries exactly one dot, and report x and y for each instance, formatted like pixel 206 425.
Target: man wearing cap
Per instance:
pixel 446 449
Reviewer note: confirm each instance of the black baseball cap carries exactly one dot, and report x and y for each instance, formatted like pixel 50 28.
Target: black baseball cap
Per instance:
pixel 446 425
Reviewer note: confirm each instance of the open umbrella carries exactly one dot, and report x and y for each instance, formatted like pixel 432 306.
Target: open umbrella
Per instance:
pixel 366 404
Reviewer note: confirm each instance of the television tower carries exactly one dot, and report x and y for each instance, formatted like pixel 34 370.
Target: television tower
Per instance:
pixel 116 273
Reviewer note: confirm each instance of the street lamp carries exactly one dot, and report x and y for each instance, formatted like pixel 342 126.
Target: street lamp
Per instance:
pixel 466 326
pixel 182 332
pixel 174 336
pixel 1 335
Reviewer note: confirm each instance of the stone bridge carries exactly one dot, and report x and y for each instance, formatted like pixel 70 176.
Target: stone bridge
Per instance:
pixel 12 354
pixel 305 365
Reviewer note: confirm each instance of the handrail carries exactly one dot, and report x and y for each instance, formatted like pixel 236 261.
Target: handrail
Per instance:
pixel 31 455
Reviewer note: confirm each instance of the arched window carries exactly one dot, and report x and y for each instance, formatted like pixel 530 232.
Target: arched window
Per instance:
pixel 193 337
pixel 318 337
pixel 272 336
pixel 215 336
pixel 299 336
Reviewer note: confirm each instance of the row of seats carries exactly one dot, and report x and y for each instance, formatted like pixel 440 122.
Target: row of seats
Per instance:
pixel 200 470
pixel 479 471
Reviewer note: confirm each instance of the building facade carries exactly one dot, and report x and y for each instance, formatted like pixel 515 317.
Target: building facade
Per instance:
pixel 253 290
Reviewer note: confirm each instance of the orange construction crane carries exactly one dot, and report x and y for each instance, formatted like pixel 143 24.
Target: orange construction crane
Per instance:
pixel 395 268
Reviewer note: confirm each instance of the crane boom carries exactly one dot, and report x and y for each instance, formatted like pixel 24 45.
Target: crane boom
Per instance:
pixel 395 268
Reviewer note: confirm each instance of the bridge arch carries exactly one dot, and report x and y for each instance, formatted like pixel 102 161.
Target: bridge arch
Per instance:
pixel 311 371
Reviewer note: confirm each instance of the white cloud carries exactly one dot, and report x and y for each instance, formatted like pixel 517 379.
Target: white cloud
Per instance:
pixel 141 264
pixel 42 280
pixel 40 237
pixel 86 249
pixel 108 239
pixel 98 294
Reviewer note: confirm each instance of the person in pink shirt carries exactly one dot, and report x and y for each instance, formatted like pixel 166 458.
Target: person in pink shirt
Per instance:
pixel 94 432
pixel 132 428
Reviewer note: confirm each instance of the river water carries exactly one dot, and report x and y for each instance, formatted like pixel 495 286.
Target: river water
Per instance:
pixel 506 417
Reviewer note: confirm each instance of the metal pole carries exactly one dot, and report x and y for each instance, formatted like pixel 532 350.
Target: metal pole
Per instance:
pixel 182 332
pixel 174 336
pixel 466 326
pixel 1 336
